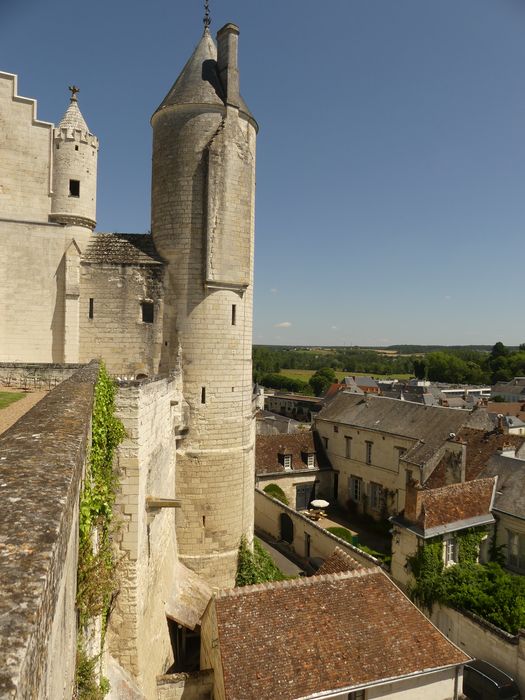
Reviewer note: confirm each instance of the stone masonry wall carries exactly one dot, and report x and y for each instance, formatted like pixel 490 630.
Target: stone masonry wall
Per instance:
pixel 42 460
pixel 322 543
pixel 117 332
pixel 33 375
pixel 138 634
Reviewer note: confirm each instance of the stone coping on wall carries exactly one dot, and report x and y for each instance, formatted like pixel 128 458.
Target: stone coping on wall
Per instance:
pixel 42 459
pixel 321 530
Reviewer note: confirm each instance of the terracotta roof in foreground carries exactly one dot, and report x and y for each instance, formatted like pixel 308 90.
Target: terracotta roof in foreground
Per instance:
pixel 292 639
pixel 338 562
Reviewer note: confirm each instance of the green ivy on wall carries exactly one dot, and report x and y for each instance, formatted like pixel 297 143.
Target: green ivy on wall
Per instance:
pixel 257 566
pixel 96 576
pixel 484 589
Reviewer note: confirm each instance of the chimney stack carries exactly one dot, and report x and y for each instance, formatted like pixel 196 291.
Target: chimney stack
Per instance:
pixel 227 63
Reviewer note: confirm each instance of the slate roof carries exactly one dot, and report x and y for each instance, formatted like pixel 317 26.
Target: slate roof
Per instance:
pixel 121 249
pixel 457 505
pixel 338 562
pixel 481 446
pixel 429 425
pixel 293 639
pixel 510 494
pixel 268 448
pixel 199 81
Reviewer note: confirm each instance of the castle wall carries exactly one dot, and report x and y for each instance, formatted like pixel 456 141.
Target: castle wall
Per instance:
pixel 25 156
pixel 43 461
pixel 117 332
pixel 138 635
pixel 32 287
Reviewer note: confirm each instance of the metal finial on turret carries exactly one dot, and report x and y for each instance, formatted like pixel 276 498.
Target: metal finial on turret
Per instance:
pixel 73 89
pixel 207 16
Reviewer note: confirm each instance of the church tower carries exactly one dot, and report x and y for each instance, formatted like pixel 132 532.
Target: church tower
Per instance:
pixel 74 195
pixel 203 192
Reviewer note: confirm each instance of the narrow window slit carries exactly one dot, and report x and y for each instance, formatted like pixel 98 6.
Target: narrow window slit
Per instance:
pixel 203 394
pixel 234 314
pixel 91 307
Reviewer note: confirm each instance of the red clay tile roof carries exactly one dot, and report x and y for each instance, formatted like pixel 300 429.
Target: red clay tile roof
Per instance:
pixel 481 446
pixel 291 639
pixel 338 562
pixel 456 502
pixel 516 408
pixel 269 447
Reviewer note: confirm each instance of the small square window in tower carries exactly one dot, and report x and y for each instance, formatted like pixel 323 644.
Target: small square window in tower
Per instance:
pixel 74 188
pixel 148 311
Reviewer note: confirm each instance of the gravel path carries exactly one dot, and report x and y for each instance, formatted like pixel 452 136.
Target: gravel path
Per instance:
pixel 10 414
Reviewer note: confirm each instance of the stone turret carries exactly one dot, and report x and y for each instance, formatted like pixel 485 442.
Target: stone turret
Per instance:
pixel 203 189
pixel 74 173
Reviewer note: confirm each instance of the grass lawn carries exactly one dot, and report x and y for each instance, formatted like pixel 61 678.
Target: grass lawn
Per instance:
pixel 8 397
pixel 305 374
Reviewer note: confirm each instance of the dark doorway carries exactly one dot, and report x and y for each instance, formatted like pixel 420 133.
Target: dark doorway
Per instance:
pixel 303 495
pixel 186 645
pixel 336 486
pixel 286 528
pixel 307 544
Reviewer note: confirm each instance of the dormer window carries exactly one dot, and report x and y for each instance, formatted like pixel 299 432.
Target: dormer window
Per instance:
pixel 287 462
pixel 310 460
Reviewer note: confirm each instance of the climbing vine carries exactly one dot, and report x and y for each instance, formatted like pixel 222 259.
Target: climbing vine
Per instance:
pixel 96 577
pixel 484 589
pixel 257 566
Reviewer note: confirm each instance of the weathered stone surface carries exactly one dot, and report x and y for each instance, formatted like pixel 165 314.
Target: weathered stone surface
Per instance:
pixel 42 458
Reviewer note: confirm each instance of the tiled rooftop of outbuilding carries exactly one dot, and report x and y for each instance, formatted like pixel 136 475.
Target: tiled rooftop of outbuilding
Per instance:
pixel 121 249
pixel 292 639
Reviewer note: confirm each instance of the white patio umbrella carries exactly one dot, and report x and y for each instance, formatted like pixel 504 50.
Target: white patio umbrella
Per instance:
pixel 319 503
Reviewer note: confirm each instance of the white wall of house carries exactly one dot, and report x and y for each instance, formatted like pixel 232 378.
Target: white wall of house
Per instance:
pixel 370 456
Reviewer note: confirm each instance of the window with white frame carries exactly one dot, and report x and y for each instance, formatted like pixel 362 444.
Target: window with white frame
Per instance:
pixel 450 551
pixel 515 551
pixel 368 451
pixel 355 487
pixel 348 447
pixel 376 496
pixel 310 460
pixel 287 462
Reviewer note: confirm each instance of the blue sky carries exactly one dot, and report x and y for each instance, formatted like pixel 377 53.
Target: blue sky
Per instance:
pixel 391 155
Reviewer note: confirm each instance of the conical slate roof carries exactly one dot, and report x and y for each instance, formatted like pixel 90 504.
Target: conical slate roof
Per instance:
pixel 199 81
pixel 73 118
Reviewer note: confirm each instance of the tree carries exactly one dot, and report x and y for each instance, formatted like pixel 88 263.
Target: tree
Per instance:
pixel 321 380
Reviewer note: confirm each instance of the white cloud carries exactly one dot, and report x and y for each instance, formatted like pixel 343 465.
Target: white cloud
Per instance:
pixel 334 328
pixel 273 290
pixel 283 324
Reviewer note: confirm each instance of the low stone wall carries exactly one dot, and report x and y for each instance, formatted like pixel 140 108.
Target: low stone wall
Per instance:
pixel 482 640
pixel 23 375
pixel 322 543
pixel 42 461
pixel 186 686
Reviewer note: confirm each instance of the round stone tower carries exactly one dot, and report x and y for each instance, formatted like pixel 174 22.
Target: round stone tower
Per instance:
pixel 203 189
pixel 74 173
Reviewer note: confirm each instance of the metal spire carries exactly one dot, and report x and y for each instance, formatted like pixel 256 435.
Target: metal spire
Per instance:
pixel 73 89
pixel 207 16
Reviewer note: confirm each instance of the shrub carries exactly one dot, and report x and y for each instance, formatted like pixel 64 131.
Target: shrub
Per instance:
pixel 257 566
pixel 276 492
pixel 343 534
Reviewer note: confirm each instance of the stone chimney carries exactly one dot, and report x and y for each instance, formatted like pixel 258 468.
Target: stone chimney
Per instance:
pixel 455 460
pixel 227 62
pixel 413 501
pixel 507 450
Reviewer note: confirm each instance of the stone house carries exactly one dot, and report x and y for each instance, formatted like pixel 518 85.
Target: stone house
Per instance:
pixel 439 513
pixel 292 462
pixel 509 507
pixel 347 633
pixel 376 444
pixel 296 406
pixel 510 391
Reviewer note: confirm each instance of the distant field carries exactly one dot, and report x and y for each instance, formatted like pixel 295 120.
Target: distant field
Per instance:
pixel 9 397
pixel 305 374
